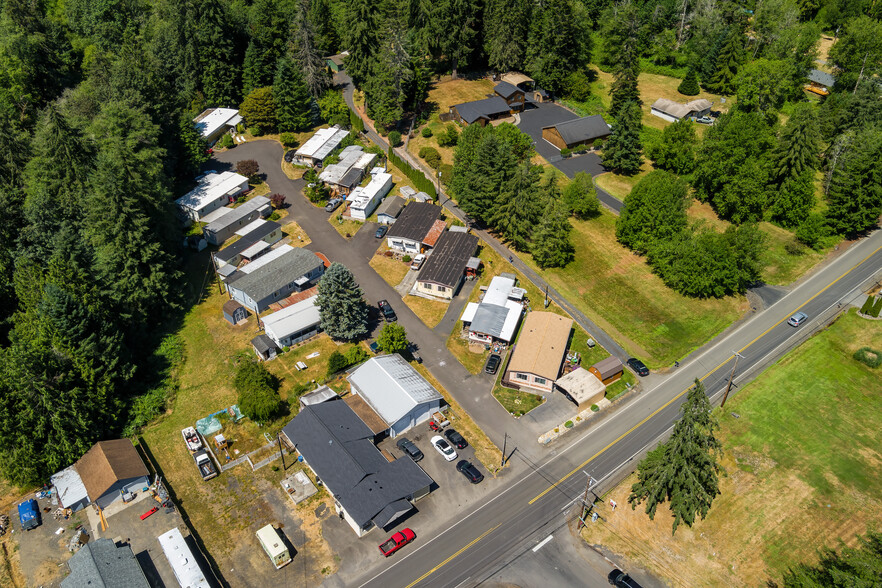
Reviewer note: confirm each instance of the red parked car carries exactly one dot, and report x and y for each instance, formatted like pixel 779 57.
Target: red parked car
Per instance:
pixel 397 541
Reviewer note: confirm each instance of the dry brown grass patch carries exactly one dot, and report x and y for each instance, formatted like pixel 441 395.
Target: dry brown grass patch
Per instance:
pixel 430 311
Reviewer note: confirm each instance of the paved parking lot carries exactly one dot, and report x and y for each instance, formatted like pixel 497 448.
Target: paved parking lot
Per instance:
pixel 453 493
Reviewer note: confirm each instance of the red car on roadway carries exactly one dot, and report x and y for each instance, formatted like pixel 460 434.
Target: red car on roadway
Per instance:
pixel 397 541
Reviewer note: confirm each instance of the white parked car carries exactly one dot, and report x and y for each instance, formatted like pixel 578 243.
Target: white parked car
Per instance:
pixel 443 447
pixel 418 261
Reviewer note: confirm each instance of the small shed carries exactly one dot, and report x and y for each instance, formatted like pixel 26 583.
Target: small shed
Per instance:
pixel 264 347
pixel 70 489
pixel 234 312
pixel 472 266
pixel 389 210
pixel 582 387
pixel 608 370
pixel 320 394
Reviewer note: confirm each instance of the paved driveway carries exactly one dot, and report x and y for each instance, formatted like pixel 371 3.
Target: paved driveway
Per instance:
pixel 547 114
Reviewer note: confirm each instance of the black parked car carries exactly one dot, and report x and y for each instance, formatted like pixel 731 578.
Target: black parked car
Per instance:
pixel 638 366
pixel 289 155
pixel 455 438
pixel 469 471
pixel 407 446
pixel 381 232
pixel 492 363
pixel 620 579
pixel 387 311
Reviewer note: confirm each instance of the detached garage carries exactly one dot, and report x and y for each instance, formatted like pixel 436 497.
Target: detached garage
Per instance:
pixel 579 131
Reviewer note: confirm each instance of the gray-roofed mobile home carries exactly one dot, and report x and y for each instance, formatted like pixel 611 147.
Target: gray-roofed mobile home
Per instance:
pixel 498 314
pixel 295 269
pixel 294 323
pixel 320 145
pixel 223 228
pixel 389 210
pixel 444 270
pixel 346 174
pixel 214 122
pixel 338 446
pixel 268 231
pixel 101 564
pixel 212 192
pixel 396 392
pixel 412 226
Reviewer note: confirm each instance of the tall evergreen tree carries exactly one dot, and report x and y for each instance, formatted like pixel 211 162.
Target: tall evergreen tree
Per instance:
pixel 308 53
pixel 505 33
pixel 362 40
pixel 341 304
pixel 552 244
pixel 623 54
pixel 462 18
pixel 580 196
pixel 727 63
pixel 215 41
pixel 792 202
pixel 684 471
pixel 798 144
pixel 623 151
pixel 322 19
pixel 855 193
pixel 382 101
pixel 519 207
pixel 689 86
pixel 563 46
pixel 259 109
pixel 480 185
pixel 291 97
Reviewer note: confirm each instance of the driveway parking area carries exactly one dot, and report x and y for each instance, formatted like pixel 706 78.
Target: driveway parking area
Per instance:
pixel 452 493
pixel 547 114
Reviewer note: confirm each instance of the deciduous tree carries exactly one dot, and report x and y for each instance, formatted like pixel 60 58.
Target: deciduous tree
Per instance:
pixel 675 151
pixel 552 244
pixel 654 210
pixel 392 338
pixel 580 196
pixel 258 391
pixel 259 109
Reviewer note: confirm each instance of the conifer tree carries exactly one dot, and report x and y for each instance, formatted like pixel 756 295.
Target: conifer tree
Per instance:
pixel 798 144
pixel 622 44
pixel 341 304
pixel 322 19
pixel 855 193
pixel 479 185
pixel 362 40
pixel 259 109
pixel 727 64
pixel 689 86
pixel 563 44
pixel 519 206
pixel 505 33
pixel 552 244
pixel 291 97
pixel 851 567
pixel 307 53
pixel 684 471
pixel 623 151
pixel 214 39
pixel 675 151
pixel 459 39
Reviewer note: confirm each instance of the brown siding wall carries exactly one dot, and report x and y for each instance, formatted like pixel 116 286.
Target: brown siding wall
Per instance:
pixel 552 136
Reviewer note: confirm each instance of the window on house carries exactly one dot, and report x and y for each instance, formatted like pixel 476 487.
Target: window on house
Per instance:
pixel 540 380
pixel 521 377
pixel 442 289
pixel 276 294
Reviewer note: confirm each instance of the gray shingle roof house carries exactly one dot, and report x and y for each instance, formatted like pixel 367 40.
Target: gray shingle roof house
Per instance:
pixel 368 489
pixel 821 78
pixel 481 111
pixel 389 210
pixel 578 131
pixel 218 231
pixel 674 111
pixel 295 269
pixel 268 231
pixel 444 270
pixel 412 226
pixel 101 564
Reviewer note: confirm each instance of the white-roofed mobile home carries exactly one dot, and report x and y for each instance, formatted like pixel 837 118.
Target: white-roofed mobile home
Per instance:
pixel 187 571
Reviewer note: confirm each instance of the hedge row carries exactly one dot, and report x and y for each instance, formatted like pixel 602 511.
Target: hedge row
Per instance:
pixel 419 179
pixel 872 306
pixel 356 122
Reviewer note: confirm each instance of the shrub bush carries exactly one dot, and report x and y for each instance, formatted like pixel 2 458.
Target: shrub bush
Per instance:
pixel 449 137
pixel 255 131
pixel 568 424
pixel 356 354
pixel 595 408
pixel 426 132
pixel 598 143
pixel 446 171
pixel 431 157
pixel 258 391
pixel 566 152
pixel 578 86
pixel 336 362
pixel 395 138
pixel 868 305
pixel 275 216
pixel 288 139
pixel 240 128
pixel 406 259
pixel 877 308
pixel 227 141
pixel 868 357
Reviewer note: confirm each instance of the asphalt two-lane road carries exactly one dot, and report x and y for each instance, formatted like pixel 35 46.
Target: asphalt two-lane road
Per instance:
pixel 483 539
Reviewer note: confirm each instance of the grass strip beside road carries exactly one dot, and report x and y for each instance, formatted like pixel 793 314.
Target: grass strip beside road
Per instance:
pixel 429 311
pixel 516 402
pixel 390 269
pixel 802 454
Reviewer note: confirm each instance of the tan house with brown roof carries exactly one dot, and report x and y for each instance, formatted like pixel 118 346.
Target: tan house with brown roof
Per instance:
pixel 110 469
pixel 540 351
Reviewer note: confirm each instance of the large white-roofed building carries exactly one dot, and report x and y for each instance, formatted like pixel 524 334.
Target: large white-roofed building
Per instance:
pixel 214 191
pixel 319 146
pixel 396 392
pixel 214 122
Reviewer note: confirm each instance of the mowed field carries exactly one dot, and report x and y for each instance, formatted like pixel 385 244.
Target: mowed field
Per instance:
pixel 803 463
pixel 616 289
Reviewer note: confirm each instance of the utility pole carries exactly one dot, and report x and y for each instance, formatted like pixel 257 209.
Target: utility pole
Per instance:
pixel 585 506
pixel 504 441
pixel 731 376
pixel 281 451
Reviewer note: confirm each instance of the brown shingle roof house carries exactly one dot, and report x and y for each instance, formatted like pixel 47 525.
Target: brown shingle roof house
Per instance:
pixel 111 466
pixel 540 350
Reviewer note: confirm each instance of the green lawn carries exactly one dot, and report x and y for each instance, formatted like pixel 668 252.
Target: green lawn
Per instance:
pixel 430 311
pixel 618 291
pixel 802 465
pixel 516 402
pixel 390 269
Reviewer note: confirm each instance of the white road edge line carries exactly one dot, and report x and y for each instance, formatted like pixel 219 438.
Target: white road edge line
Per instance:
pixel 543 542
pixel 613 418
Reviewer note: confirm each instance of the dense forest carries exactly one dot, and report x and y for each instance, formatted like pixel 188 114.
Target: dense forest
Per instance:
pixel 97 99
